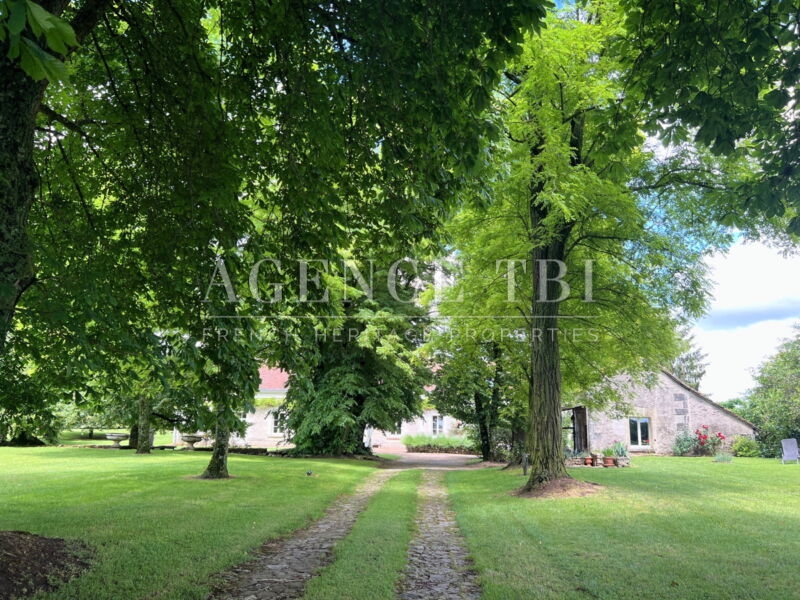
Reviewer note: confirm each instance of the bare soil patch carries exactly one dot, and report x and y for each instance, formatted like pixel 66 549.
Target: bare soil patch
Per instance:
pixel 565 487
pixel 31 563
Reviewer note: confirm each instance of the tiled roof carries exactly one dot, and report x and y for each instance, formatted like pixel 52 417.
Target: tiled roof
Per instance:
pixel 272 379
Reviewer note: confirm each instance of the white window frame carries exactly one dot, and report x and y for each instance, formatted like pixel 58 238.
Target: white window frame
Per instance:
pixel 639 421
pixel 438 424
pixel 275 428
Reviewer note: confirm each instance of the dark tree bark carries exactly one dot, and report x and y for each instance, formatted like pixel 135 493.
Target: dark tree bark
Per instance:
pixel 544 399
pixel 548 250
pixel 492 415
pixel 20 98
pixel 133 437
pixel 143 445
pixel 218 465
pixel 20 101
pixel 481 411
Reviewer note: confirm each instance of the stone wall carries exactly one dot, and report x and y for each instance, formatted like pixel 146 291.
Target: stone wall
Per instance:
pixel 669 407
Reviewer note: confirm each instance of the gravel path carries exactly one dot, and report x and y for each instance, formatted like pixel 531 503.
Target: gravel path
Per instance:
pixel 283 567
pixel 438 564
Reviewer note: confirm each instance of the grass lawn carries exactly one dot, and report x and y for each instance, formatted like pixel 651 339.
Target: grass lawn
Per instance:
pixel 157 530
pixel 666 528
pixel 80 437
pixel 370 560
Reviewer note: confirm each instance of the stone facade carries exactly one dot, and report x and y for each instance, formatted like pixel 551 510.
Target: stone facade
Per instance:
pixel 263 431
pixel 657 415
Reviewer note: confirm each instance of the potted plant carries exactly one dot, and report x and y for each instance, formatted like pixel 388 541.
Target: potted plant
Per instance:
pixel 587 459
pixel 608 457
pixel 621 457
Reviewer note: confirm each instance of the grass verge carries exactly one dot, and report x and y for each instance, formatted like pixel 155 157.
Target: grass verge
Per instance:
pixel 158 531
pixel 668 528
pixel 369 562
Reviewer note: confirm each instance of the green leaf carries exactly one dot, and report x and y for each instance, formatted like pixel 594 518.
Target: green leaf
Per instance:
pixel 794 226
pixel 39 64
pixel 59 33
pixel 38 18
pixel 16 20
pixel 777 98
pixel 66 32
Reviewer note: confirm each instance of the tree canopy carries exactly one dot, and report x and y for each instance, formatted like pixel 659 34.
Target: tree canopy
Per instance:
pixel 773 405
pixel 726 76
pixel 143 143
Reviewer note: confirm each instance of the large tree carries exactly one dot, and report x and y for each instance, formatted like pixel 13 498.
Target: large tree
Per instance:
pixel 355 367
pixel 475 381
pixel 201 129
pixel 576 182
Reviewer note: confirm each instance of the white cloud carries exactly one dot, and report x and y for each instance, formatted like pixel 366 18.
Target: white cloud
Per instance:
pixel 733 355
pixel 754 276
pixel 756 302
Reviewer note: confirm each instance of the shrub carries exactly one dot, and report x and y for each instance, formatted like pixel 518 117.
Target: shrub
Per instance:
pixel 745 446
pixel 684 444
pixel 700 443
pixel 438 443
pixel 707 443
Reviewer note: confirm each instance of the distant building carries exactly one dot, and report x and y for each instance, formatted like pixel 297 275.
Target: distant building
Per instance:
pixel 656 417
pixel 264 431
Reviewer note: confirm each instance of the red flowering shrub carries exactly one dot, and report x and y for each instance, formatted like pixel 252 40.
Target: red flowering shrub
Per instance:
pixel 706 442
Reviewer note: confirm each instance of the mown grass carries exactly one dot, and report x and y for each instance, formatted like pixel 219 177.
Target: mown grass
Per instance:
pixel 158 531
pixel 370 560
pixel 667 528
pixel 80 437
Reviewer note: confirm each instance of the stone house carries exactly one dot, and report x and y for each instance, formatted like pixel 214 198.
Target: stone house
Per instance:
pixel 264 431
pixel 655 416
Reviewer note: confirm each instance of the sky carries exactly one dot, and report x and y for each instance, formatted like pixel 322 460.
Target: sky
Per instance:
pixel 756 302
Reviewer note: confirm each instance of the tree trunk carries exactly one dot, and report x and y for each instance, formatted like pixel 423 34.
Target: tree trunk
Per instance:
pixel 133 437
pixel 218 465
pixel 143 446
pixel 483 426
pixel 545 443
pixel 20 98
pixel 494 405
pixel 20 101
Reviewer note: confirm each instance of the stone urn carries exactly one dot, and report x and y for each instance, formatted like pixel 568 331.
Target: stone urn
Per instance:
pixel 117 438
pixel 191 439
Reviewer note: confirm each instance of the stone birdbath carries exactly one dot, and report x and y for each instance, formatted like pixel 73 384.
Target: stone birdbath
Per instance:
pixel 191 439
pixel 117 438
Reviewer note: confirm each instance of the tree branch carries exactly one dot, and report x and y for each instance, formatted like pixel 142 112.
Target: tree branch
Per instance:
pixel 88 16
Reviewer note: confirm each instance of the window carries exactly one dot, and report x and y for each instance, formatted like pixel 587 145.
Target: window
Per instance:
pixel 276 426
pixel 640 431
pixel 438 424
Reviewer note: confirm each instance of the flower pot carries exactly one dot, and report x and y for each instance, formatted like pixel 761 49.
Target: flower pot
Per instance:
pixel 587 461
pixel 608 461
